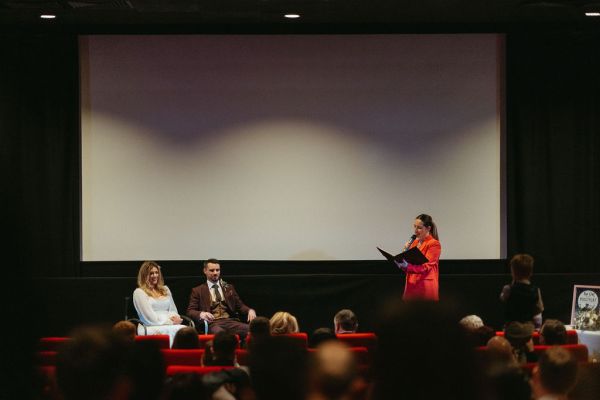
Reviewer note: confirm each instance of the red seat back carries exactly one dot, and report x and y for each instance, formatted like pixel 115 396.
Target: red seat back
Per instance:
pixel 183 356
pixel 46 358
pixel 187 369
pixel 368 340
pixel 51 343
pixel 161 340
pixel 241 356
pixel 301 338
pixel 579 351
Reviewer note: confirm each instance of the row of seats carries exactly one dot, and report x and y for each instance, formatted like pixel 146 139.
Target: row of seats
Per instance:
pixel 193 357
pixel 579 351
pixel 571 336
pixel 368 340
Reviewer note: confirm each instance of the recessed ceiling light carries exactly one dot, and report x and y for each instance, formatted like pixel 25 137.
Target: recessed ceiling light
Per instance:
pixel 592 14
pixel 47 16
pixel 292 16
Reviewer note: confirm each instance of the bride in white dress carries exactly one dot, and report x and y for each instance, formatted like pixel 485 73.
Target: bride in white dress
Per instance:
pixel 154 303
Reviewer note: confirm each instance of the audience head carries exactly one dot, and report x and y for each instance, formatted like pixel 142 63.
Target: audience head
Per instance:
pixel 186 338
pixel 518 334
pixel 521 266
pixel 126 329
pixel 553 332
pixel 321 335
pixel 223 346
pixel 345 321
pixel 273 382
pixel 409 343
pixel 92 365
pixel 150 277
pixel 283 322
pixel 146 369
pixel 555 374
pixel 500 351
pixel 259 327
pixel 471 322
pixel 333 370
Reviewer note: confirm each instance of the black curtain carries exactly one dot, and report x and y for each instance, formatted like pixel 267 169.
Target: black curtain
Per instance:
pixel 39 127
pixel 553 148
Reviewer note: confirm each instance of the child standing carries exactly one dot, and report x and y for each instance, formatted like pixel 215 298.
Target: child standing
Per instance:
pixel 522 299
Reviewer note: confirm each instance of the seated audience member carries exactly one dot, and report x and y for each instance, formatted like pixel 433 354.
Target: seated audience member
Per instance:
pixel 500 352
pixel 476 331
pixel 154 303
pixel 283 323
pixel 186 338
pixel 555 375
pixel 146 370
pixel 423 354
pixel 92 365
pixel 126 329
pixel 221 350
pixel 333 372
pixel 519 335
pixel 345 321
pixel 319 336
pixel 278 369
pixel 230 384
pixel 553 332
pixel 522 299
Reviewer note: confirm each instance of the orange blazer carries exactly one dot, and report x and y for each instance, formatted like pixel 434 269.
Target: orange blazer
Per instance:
pixel 422 281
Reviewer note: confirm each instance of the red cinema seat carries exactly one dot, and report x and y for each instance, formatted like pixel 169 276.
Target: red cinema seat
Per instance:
pixel 362 355
pixel 301 338
pixel 161 340
pixel 241 356
pixel 46 358
pixel 51 343
pixel 187 369
pixel 571 337
pixel 183 356
pixel 368 340
pixel 579 351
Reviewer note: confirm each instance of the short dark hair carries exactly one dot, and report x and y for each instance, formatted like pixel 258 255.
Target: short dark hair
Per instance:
pixel 260 326
pixel 554 332
pixel 558 370
pixel 521 266
pixel 211 261
pixel 224 345
pixel 321 335
pixel 346 319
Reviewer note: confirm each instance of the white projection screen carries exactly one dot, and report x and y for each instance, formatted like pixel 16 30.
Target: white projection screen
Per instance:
pixel 290 147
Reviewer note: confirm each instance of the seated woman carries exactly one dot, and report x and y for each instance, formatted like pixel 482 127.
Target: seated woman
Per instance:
pixel 154 304
pixel 283 322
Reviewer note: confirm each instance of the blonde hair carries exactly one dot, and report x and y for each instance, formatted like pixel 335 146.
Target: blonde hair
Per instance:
pixel 142 279
pixel 283 322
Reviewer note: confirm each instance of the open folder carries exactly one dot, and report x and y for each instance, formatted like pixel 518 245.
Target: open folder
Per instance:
pixel 412 256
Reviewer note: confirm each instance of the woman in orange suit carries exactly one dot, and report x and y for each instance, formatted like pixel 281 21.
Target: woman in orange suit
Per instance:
pixel 422 281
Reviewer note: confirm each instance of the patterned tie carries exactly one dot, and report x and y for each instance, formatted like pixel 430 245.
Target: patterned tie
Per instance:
pixel 217 293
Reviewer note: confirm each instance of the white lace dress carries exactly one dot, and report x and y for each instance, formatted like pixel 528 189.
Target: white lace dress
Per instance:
pixel 156 314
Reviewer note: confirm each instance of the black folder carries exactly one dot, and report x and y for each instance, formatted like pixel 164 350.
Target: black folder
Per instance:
pixel 412 256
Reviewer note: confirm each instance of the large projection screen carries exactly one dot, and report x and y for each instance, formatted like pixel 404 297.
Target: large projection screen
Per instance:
pixel 289 147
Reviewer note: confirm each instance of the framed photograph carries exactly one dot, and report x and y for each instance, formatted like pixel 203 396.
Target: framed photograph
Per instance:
pixel 585 313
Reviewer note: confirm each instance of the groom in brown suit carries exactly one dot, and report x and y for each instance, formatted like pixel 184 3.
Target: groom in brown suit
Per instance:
pixel 217 302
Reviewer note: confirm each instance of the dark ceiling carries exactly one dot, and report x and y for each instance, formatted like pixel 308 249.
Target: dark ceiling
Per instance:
pixel 96 14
